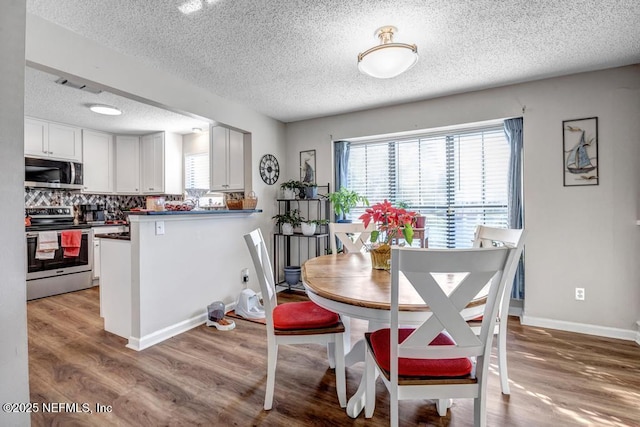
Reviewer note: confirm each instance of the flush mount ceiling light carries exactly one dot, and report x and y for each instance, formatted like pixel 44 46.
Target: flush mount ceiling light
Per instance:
pixel 388 59
pixel 105 109
pixel 196 130
pixel 190 6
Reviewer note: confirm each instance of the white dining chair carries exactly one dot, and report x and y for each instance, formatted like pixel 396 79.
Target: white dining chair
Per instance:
pixel 443 358
pixel 352 235
pixel 295 323
pixel 487 237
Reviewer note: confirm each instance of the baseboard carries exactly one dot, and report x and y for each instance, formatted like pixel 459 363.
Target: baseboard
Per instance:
pixel 516 308
pixel 166 333
pixel 638 333
pixel 582 328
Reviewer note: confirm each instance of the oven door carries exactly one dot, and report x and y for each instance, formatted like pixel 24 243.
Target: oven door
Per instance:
pixel 58 265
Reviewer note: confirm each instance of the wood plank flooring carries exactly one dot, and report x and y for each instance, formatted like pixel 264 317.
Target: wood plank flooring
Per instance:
pixel 213 378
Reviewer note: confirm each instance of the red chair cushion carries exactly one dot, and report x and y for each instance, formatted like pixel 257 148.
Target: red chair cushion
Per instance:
pixel 381 339
pixel 303 315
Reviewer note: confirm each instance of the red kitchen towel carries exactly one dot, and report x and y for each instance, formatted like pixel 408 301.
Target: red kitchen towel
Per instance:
pixel 70 241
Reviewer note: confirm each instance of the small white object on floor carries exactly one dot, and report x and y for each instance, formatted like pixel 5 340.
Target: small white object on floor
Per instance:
pixel 249 306
pixel 222 324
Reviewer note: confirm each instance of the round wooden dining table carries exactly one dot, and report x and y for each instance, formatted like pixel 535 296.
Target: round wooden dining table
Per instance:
pixel 348 285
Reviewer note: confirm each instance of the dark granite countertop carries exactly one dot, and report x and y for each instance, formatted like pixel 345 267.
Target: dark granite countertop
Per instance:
pixel 117 236
pixel 196 212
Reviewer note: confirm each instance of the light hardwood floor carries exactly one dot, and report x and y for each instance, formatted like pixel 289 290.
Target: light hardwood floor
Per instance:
pixel 213 378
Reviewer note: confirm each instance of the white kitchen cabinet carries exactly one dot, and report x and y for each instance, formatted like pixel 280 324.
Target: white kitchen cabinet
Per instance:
pixel 127 164
pixel 49 139
pixel 227 159
pixel 98 160
pixel 115 286
pixel 96 245
pixel 95 273
pixel 161 163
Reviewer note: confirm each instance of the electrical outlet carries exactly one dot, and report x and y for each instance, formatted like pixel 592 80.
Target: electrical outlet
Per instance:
pixel 580 294
pixel 245 275
pixel 159 228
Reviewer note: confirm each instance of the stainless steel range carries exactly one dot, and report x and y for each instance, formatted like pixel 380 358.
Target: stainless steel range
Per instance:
pixel 56 273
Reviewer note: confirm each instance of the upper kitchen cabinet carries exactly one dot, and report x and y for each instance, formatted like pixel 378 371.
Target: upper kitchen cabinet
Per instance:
pixel 98 162
pixel 161 163
pixel 127 164
pixel 227 159
pixel 49 139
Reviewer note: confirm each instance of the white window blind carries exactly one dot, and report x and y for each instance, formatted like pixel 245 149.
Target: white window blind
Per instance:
pixel 196 170
pixel 456 179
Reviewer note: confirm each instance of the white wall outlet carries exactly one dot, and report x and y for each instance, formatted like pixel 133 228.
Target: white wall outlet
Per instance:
pixel 580 294
pixel 159 228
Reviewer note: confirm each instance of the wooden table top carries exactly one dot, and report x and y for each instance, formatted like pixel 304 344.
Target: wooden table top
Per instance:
pixel 349 278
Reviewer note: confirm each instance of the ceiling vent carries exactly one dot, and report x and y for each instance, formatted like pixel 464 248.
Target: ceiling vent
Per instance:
pixel 70 83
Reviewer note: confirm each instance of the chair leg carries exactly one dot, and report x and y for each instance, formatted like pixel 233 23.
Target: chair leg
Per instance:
pixel 331 350
pixel 370 385
pixel 502 356
pixel 272 358
pixel 442 405
pixel 479 412
pixel 393 405
pixel 341 381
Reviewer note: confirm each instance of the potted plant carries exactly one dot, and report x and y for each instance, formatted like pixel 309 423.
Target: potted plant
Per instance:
pixel 288 221
pixel 291 188
pixel 391 223
pixel 344 200
pixel 309 226
pixel 420 220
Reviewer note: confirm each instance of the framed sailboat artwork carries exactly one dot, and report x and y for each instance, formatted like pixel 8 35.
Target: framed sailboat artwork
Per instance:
pixel 580 147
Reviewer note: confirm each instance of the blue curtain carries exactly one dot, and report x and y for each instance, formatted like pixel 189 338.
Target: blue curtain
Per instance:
pixel 342 162
pixel 513 132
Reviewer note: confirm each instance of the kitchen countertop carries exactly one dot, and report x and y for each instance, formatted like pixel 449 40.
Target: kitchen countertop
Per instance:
pixel 196 212
pixel 81 226
pixel 116 236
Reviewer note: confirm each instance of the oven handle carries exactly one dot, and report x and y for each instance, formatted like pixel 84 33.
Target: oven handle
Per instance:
pixel 35 233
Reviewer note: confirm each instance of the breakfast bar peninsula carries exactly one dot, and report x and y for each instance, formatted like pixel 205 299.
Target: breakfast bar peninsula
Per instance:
pixel 157 281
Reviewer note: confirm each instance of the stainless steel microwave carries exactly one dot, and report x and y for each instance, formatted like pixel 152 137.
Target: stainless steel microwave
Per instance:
pixel 52 173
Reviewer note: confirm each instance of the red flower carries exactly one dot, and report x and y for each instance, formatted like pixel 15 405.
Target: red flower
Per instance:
pixel 391 222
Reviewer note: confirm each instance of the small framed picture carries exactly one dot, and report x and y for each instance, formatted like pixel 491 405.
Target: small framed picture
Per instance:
pixel 580 151
pixel 308 166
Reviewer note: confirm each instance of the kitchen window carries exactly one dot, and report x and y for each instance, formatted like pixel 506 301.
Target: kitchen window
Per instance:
pixel 196 170
pixel 457 179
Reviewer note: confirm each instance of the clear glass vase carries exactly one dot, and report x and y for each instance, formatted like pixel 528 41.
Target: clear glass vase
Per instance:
pixel 381 257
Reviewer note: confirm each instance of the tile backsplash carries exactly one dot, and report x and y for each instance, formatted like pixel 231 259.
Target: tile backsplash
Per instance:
pixel 113 204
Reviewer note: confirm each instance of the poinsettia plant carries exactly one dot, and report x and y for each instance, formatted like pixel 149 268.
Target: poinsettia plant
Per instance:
pixel 391 223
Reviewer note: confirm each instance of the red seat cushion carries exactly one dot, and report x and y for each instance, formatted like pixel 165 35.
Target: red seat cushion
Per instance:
pixel 380 341
pixel 303 315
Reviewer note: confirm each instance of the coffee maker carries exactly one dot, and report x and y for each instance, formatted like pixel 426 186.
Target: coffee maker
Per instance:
pixel 92 214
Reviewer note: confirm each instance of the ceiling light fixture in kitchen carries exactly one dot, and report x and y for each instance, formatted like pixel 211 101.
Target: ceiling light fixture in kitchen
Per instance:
pixel 388 59
pixel 196 130
pixel 105 109
pixel 190 6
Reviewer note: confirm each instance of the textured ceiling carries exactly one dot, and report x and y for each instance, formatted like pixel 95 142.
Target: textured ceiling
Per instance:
pixel 294 60
pixel 47 100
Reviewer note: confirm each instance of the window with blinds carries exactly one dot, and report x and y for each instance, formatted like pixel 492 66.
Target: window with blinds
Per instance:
pixel 456 179
pixel 196 170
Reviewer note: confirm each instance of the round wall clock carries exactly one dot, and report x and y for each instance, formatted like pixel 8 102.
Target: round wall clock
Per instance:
pixel 269 169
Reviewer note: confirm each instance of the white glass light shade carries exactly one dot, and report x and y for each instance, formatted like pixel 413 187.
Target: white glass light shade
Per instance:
pixel 105 109
pixel 389 60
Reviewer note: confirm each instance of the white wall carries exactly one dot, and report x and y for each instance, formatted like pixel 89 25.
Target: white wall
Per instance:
pixel 578 236
pixel 55 49
pixel 14 363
